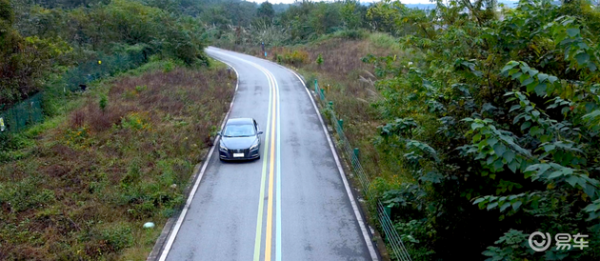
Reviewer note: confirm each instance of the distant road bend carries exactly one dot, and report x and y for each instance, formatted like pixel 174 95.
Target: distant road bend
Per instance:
pixel 292 204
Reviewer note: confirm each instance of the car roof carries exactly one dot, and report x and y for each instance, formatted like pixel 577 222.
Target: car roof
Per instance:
pixel 240 121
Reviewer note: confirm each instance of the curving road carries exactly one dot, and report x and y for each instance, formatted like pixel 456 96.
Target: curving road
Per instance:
pixel 292 204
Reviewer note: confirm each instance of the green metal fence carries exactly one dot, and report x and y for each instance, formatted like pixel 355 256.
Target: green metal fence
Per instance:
pixel 102 66
pixel 18 117
pixel 393 240
pixel 27 112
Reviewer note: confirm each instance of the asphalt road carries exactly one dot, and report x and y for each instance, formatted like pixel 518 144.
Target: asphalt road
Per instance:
pixel 292 204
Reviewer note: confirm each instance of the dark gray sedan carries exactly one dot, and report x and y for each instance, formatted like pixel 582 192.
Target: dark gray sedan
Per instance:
pixel 240 140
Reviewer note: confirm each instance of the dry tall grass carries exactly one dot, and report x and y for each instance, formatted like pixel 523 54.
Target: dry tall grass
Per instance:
pixel 349 83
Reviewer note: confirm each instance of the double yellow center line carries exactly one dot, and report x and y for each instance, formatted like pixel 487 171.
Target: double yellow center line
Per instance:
pixel 270 155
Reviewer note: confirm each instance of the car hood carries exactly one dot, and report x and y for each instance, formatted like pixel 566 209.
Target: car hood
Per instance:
pixel 237 143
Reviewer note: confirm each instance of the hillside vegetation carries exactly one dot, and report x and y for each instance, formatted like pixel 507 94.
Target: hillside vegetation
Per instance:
pixel 41 42
pixel 85 183
pixel 104 161
pixel 478 130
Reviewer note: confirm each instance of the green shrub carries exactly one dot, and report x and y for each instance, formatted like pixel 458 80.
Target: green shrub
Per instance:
pixel 135 121
pixel 351 34
pixel 168 212
pixel 383 40
pixel 319 60
pixel 140 88
pixel 295 58
pixel 14 141
pixel 134 173
pixel 103 102
pixel 414 234
pixel 117 236
pixel 25 194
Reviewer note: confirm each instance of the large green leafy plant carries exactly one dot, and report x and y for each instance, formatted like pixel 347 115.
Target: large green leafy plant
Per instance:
pixel 497 121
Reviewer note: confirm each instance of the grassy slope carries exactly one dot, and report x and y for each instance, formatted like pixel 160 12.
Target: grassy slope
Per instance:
pixel 88 180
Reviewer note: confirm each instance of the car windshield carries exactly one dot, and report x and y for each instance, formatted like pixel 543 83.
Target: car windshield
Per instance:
pixel 239 130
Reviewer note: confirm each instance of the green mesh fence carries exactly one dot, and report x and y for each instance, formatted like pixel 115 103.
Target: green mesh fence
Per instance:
pixel 23 114
pixel 392 239
pixel 29 111
pixel 102 66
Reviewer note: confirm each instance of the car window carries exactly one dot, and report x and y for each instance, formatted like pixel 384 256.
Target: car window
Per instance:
pixel 239 130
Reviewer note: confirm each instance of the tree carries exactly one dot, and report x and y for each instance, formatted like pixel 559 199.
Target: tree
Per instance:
pixel 215 15
pixel 7 17
pixel 240 13
pixel 325 18
pixel 265 12
pixel 24 61
pixel 481 10
pixel 497 124
pixel 383 15
pixel 351 15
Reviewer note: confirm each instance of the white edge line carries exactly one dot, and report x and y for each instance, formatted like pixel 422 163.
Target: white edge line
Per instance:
pixel 278 226
pixel 342 174
pixel 173 235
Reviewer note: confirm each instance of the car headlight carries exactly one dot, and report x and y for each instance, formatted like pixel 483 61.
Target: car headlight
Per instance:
pixel 222 147
pixel 255 145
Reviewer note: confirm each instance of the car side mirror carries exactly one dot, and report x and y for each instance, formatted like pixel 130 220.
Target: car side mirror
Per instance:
pixel 219 133
pixel 260 132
